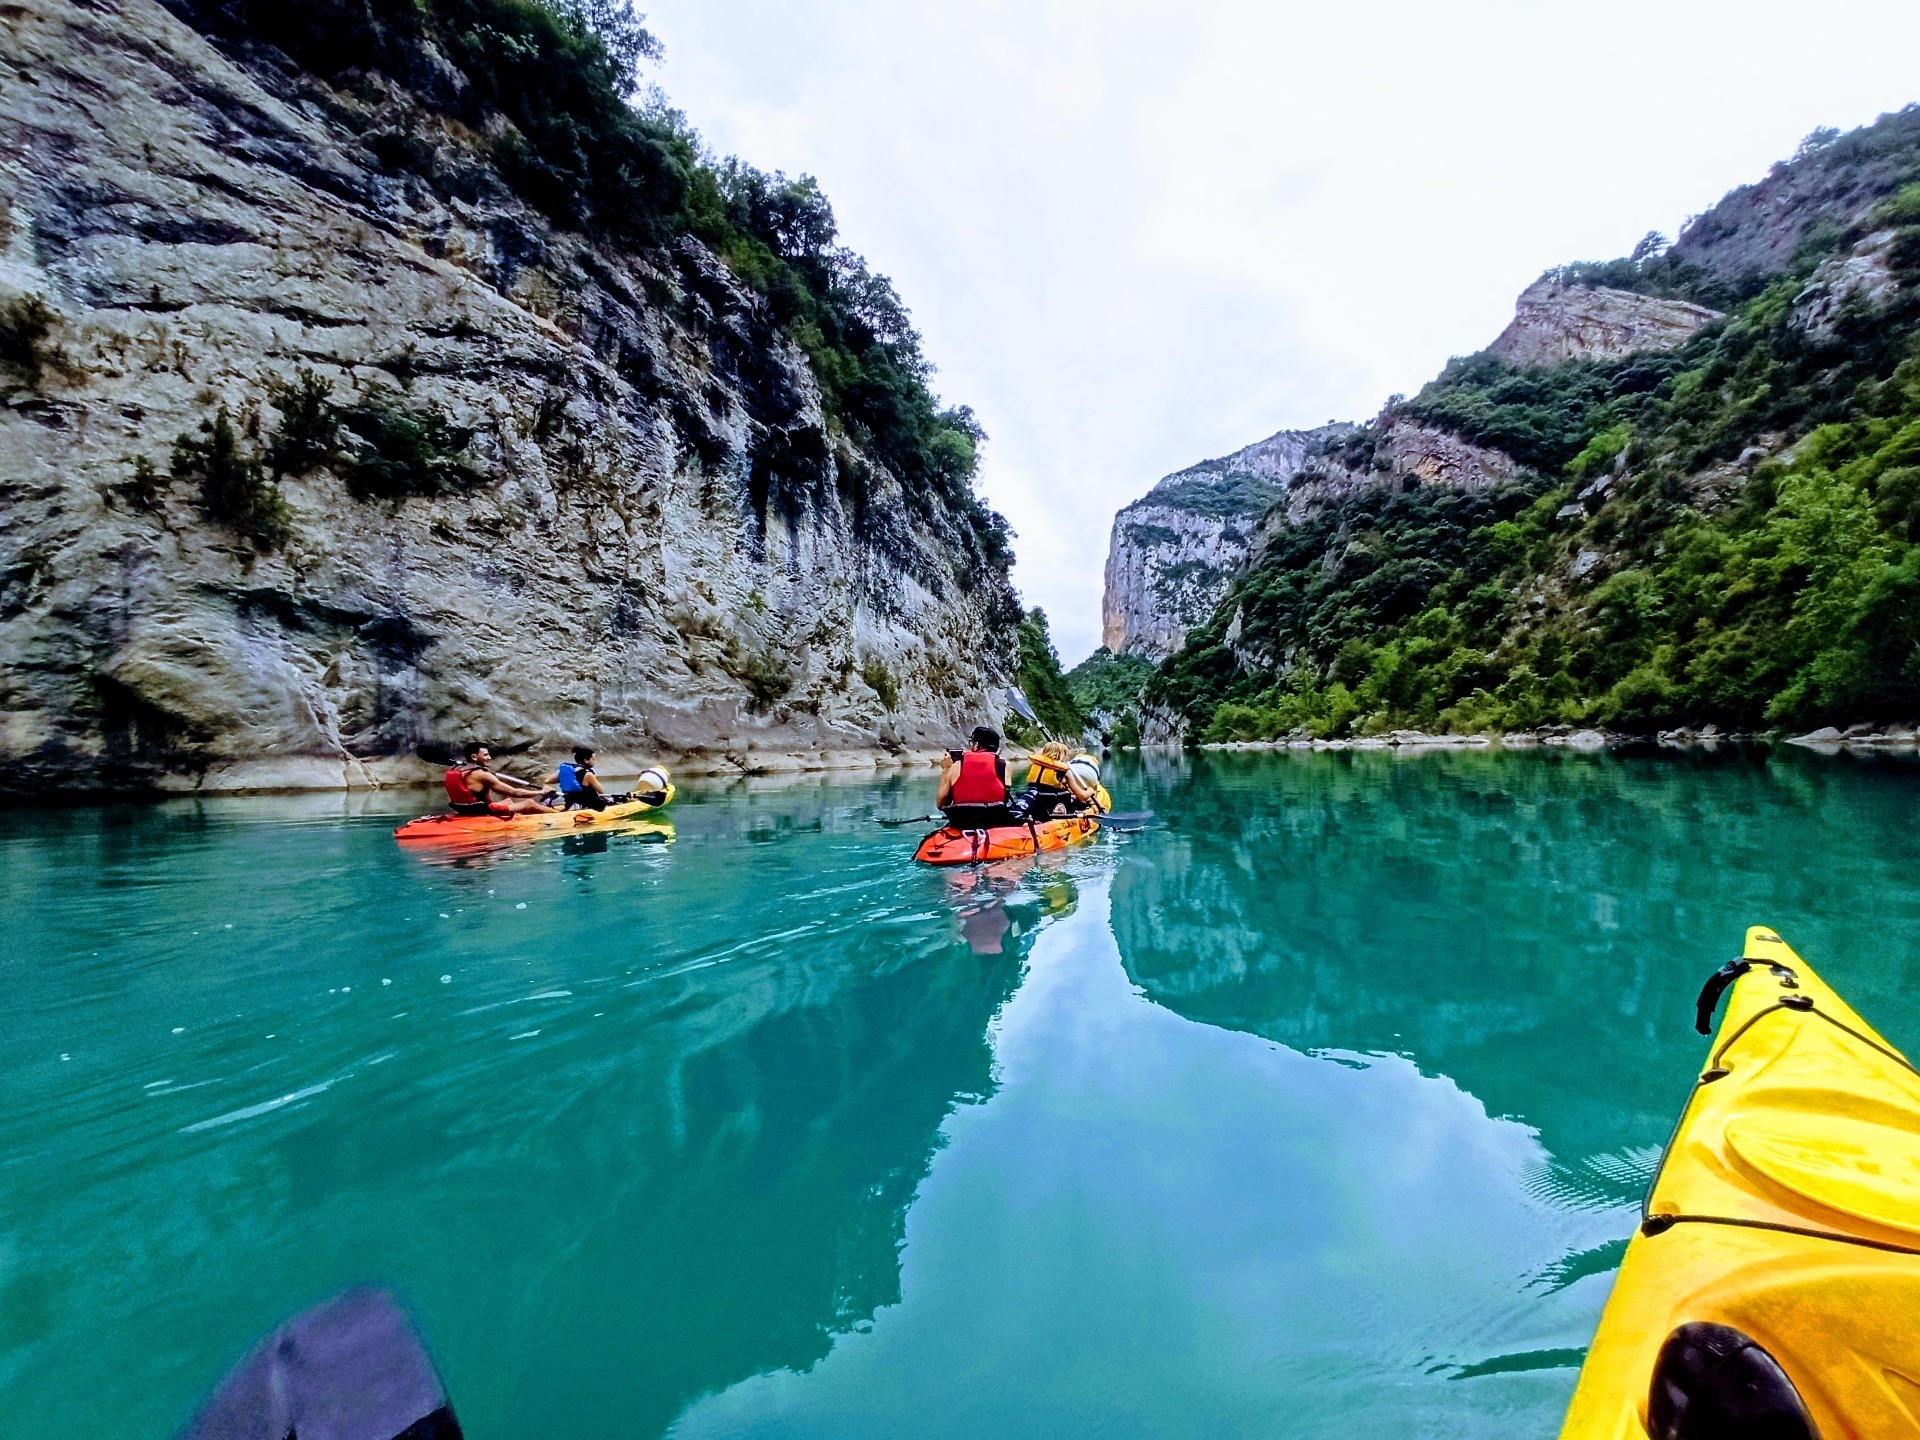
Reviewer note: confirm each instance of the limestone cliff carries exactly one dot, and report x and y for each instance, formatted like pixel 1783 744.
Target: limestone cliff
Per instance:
pixel 568 489
pixel 1555 322
pixel 1174 550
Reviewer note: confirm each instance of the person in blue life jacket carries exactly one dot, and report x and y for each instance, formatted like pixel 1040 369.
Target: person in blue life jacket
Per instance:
pixel 578 787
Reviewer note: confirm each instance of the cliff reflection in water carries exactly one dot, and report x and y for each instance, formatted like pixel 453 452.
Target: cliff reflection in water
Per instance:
pixel 1534 926
pixel 657 1133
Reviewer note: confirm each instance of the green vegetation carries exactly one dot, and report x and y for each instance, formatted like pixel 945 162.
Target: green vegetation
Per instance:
pixel 25 323
pixel 880 680
pixel 143 486
pixel 234 486
pixel 1037 672
pixel 1543 418
pixel 384 448
pixel 1107 689
pixel 1381 609
pixel 1201 491
pixel 763 670
pixel 307 436
pixel 553 82
pixel 404 450
pixel 1730 533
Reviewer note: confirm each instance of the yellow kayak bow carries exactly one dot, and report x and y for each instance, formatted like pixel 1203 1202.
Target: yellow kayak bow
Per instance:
pixel 1773 1288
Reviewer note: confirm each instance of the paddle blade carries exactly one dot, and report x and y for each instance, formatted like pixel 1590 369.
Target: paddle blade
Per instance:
pixel 1017 702
pixel 434 753
pixel 351 1369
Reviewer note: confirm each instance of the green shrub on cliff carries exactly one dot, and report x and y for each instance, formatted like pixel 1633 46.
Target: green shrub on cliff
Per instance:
pixel 233 484
pixel 404 450
pixel 25 323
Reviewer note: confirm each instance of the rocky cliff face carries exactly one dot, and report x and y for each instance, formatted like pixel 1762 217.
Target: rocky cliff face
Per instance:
pixel 622 515
pixel 1554 323
pixel 1581 529
pixel 1174 550
pixel 1832 183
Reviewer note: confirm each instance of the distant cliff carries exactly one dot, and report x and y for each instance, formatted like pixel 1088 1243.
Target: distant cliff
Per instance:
pixel 1682 488
pixel 373 374
pixel 1174 550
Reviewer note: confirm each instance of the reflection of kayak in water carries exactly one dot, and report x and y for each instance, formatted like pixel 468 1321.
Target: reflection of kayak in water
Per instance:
pixel 949 846
pixel 1773 1285
pixel 466 829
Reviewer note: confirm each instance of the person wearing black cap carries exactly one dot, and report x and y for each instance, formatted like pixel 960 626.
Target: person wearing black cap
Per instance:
pixel 973 784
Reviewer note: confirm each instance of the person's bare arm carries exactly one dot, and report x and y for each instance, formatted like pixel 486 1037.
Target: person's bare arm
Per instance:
pixel 944 794
pixel 506 785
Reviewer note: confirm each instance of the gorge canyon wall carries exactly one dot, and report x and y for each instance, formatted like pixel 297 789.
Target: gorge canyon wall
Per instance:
pixel 639 528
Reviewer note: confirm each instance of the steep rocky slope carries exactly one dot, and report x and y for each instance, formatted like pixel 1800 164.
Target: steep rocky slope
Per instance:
pixel 334 421
pixel 1680 519
pixel 1556 322
pixel 1174 549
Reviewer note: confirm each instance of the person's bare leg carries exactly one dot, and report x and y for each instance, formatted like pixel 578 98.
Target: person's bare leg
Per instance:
pixel 529 807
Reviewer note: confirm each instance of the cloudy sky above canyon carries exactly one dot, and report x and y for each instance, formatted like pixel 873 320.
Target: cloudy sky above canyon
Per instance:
pixel 1138 235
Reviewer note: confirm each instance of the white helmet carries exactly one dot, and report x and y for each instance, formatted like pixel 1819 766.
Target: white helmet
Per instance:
pixel 654 777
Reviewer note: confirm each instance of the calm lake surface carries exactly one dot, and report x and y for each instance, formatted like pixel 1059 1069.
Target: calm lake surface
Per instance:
pixel 1322 1107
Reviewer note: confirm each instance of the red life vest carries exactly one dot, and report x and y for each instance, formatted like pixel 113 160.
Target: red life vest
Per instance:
pixel 457 789
pixel 979 782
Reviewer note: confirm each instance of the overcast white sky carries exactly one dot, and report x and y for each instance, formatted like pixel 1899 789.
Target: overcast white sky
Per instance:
pixel 1138 235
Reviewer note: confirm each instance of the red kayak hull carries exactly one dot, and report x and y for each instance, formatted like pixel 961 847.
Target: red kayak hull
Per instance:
pixel 1004 842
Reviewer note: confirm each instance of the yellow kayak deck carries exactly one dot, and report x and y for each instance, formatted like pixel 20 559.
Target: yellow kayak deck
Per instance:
pixel 1787 1207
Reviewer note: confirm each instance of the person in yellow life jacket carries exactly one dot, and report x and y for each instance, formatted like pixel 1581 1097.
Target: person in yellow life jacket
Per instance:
pixel 1047 791
pixel 973 784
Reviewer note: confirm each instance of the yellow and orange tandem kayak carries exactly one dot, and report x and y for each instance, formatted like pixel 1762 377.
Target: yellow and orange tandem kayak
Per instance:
pixel 467 829
pixel 1773 1287
pixel 949 846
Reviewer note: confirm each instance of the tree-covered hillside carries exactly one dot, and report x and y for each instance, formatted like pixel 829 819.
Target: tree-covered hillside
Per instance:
pixel 1728 533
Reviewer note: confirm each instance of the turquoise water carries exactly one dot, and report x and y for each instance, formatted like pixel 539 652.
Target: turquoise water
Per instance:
pixel 1320 1107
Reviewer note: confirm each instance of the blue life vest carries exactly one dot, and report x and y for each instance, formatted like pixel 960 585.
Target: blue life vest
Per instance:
pixel 569 779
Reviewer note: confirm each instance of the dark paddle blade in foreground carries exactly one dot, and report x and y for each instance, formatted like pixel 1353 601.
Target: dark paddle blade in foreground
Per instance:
pixel 351 1369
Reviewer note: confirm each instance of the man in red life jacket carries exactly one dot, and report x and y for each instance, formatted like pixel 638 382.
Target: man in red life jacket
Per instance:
pixel 973 784
pixel 474 789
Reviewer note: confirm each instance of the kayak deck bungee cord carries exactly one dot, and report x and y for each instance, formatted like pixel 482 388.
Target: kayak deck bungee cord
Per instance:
pixel 1773 1285
pixel 468 828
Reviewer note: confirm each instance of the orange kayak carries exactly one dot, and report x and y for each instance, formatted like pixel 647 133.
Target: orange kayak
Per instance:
pixel 1004 842
pixel 465 829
